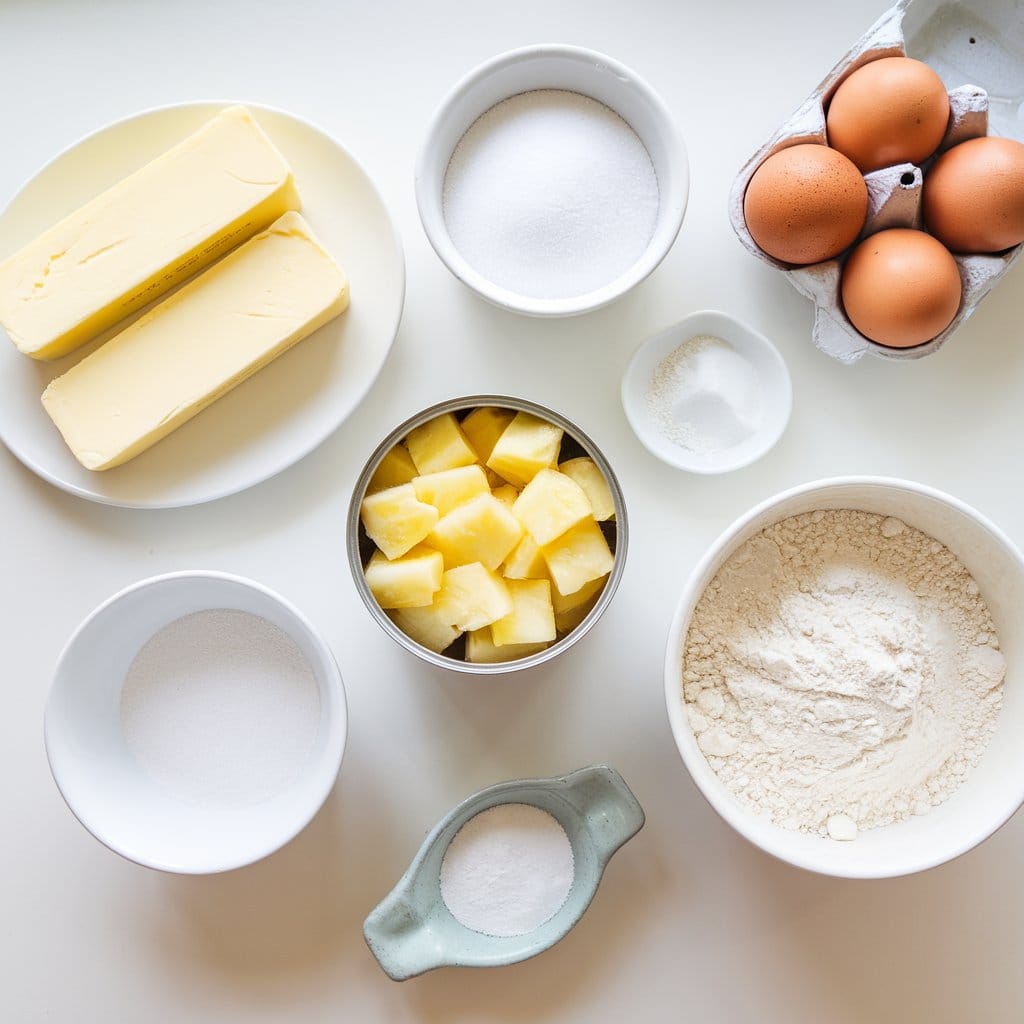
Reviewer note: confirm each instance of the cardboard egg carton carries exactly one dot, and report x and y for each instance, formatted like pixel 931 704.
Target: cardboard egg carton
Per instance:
pixel 967 42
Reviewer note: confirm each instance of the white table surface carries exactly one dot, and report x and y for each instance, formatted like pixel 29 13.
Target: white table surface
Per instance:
pixel 691 922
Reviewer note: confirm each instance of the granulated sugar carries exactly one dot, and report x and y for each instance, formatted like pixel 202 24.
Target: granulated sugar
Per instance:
pixel 550 194
pixel 842 672
pixel 220 707
pixel 508 870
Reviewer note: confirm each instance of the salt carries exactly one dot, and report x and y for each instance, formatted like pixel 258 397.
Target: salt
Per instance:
pixel 705 397
pixel 507 871
pixel 220 707
pixel 550 194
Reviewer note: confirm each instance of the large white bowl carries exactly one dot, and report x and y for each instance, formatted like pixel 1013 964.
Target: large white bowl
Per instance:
pixel 103 784
pixel 574 69
pixel 992 791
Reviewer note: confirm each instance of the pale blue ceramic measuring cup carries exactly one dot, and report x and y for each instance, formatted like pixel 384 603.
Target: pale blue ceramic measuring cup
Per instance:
pixel 412 931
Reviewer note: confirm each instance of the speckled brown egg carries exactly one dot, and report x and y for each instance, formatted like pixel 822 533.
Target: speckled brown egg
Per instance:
pixel 974 196
pixel 891 111
pixel 805 204
pixel 901 287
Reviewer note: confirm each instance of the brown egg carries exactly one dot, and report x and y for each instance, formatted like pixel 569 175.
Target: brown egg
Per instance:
pixel 901 287
pixel 891 111
pixel 805 204
pixel 974 196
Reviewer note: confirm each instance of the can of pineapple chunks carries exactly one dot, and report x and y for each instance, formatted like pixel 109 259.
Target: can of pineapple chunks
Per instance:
pixel 574 444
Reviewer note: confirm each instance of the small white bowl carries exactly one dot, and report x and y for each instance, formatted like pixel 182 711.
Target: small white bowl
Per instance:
pixel 106 788
pixel 576 70
pixel 991 793
pixel 776 389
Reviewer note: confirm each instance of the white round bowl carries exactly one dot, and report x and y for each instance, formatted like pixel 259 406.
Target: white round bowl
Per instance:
pixel 103 784
pixel 991 792
pixel 770 367
pixel 576 70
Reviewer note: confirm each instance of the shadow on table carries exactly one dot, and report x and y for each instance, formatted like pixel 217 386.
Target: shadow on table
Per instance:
pixel 546 987
pixel 288 931
pixel 280 927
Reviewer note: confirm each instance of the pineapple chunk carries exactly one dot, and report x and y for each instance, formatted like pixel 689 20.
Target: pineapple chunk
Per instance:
pixel 484 426
pixel 531 619
pixel 550 504
pixel 480 648
pixel 481 530
pixel 527 446
pixel 506 493
pixel 578 556
pixel 451 487
pixel 526 562
pixel 424 626
pixel 471 597
pixel 395 469
pixel 585 472
pixel 407 582
pixel 567 602
pixel 567 621
pixel 439 444
pixel 396 521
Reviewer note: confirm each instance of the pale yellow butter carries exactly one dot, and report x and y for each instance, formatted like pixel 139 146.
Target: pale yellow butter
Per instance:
pixel 131 244
pixel 196 345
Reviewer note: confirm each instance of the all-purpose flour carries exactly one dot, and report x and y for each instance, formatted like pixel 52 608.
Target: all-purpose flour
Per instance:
pixel 842 672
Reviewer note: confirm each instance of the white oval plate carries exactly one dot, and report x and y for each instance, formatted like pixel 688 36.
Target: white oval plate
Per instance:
pixel 284 411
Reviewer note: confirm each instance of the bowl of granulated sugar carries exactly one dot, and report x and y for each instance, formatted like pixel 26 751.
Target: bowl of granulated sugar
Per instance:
pixel 552 180
pixel 196 722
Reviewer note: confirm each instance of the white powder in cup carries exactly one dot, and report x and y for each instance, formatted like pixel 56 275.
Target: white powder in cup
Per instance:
pixel 551 195
pixel 507 871
pixel 220 707
pixel 705 396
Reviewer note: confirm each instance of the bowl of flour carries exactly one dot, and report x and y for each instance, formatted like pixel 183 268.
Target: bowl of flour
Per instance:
pixel 552 180
pixel 843 677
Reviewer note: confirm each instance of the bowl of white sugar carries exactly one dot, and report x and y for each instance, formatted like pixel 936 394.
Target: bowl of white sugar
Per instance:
pixel 196 722
pixel 844 677
pixel 552 180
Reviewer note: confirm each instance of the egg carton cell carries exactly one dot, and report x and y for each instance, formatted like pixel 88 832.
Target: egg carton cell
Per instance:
pixel 978 51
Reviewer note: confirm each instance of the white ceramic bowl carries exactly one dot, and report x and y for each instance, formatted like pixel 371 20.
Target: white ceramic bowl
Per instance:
pixel 577 70
pixel 992 791
pixel 103 784
pixel 776 389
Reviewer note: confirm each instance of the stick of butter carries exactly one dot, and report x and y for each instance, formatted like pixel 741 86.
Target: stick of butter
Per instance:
pixel 196 345
pixel 140 238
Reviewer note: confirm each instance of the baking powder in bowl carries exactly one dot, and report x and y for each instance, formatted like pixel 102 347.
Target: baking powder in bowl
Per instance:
pixel 842 672
pixel 220 707
pixel 507 871
pixel 550 195
pixel 705 397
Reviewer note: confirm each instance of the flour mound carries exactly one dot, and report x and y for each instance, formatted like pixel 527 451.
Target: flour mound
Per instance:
pixel 842 665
